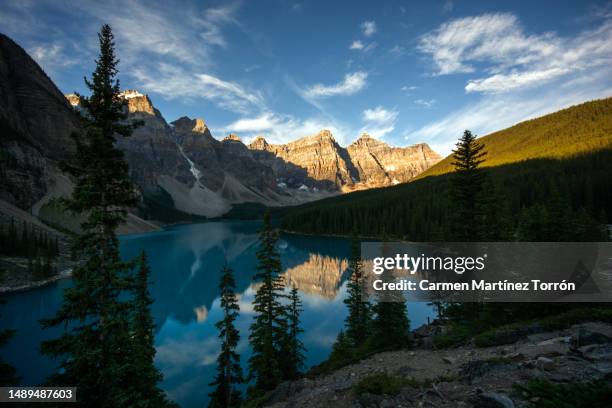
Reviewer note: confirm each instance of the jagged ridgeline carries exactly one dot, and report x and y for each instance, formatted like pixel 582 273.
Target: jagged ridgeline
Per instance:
pixel 181 170
pixel 556 165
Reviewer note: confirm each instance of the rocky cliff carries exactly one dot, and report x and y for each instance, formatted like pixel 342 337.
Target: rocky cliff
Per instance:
pixel 177 166
pixel 315 161
pixel 35 122
pixel 319 162
pixel 379 164
pixel 36 125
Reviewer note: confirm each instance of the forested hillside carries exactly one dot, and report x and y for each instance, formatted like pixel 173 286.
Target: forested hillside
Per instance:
pixel 576 130
pixel 545 174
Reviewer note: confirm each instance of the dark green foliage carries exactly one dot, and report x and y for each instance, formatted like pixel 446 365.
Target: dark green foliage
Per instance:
pixel 229 372
pixel 97 347
pixel 547 320
pixel 8 374
pixel 343 352
pixel 41 268
pixel 391 327
pixel 146 376
pixel 292 348
pixel 500 323
pixel 268 329
pixel 467 188
pixel 359 319
pixel 160 206
pixel 421 210
pixel 544 394
pixel 367 329
pixel 379 384
pixel 494 222
pixel 27 241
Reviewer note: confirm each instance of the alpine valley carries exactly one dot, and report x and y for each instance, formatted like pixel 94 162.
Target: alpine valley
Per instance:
pixel 180 169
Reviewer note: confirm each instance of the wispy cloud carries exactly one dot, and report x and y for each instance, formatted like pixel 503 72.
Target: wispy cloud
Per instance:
pixel 425 103
pixel 364 48
pixel 172 82
pixel 510 58
pixel 281 128
pixel 379 115
pixel 495 112
pixel 165 49
pixel 52 56
pixel 351 84
pixel 379 121
pixel 504 82
pixel 186 34
pixel 369 28
pixel 356 45
pixel 447 7
pixel 251 68
pixel 213 20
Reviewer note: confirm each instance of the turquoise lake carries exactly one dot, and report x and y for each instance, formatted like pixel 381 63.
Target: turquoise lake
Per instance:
pixel 186 262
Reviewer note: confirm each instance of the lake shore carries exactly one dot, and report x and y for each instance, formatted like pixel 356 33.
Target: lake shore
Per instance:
pixel 463 376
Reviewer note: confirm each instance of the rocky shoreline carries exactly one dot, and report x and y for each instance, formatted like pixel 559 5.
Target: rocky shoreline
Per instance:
pixel 19 287
pixel 466 376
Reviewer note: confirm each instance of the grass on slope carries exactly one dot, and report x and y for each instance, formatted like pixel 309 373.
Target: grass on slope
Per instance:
pixel 576 130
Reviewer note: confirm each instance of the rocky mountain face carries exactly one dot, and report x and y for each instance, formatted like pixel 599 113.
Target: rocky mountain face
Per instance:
pixel 34 118
pixel 312 162
pixel 320 162
pixel 151 150
pixel 179 165
pixel 378 164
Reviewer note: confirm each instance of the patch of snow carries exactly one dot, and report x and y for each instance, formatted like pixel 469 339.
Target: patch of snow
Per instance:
pixel 395 181
pixel 192 167
pixel 282 185
pixel 303 187
pixel 390 168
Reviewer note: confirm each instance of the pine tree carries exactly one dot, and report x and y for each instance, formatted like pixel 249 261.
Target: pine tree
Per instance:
pixel 25 242
pixel 267 331
pixel 292 348
pixel 8 374
pixel 96 346
pixel 342 352
pixel 494 222
pixel 467 185
pixel 146 376
pixel 359 319
pixel 229 372
pixel 13 238
pixel 391 327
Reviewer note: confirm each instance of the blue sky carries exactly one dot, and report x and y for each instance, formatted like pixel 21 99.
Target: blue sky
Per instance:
pixel 405 72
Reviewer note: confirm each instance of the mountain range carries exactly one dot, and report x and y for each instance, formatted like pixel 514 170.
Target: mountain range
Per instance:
pixel 178 166
pixel 560 160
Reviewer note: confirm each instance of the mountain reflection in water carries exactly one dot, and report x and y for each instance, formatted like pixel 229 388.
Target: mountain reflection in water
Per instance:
pixel 186 262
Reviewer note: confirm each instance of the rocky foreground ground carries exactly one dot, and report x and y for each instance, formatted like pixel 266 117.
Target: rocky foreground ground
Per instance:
pixel 463 377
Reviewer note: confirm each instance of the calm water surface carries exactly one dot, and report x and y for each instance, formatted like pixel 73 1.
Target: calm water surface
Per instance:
pixel 185 263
